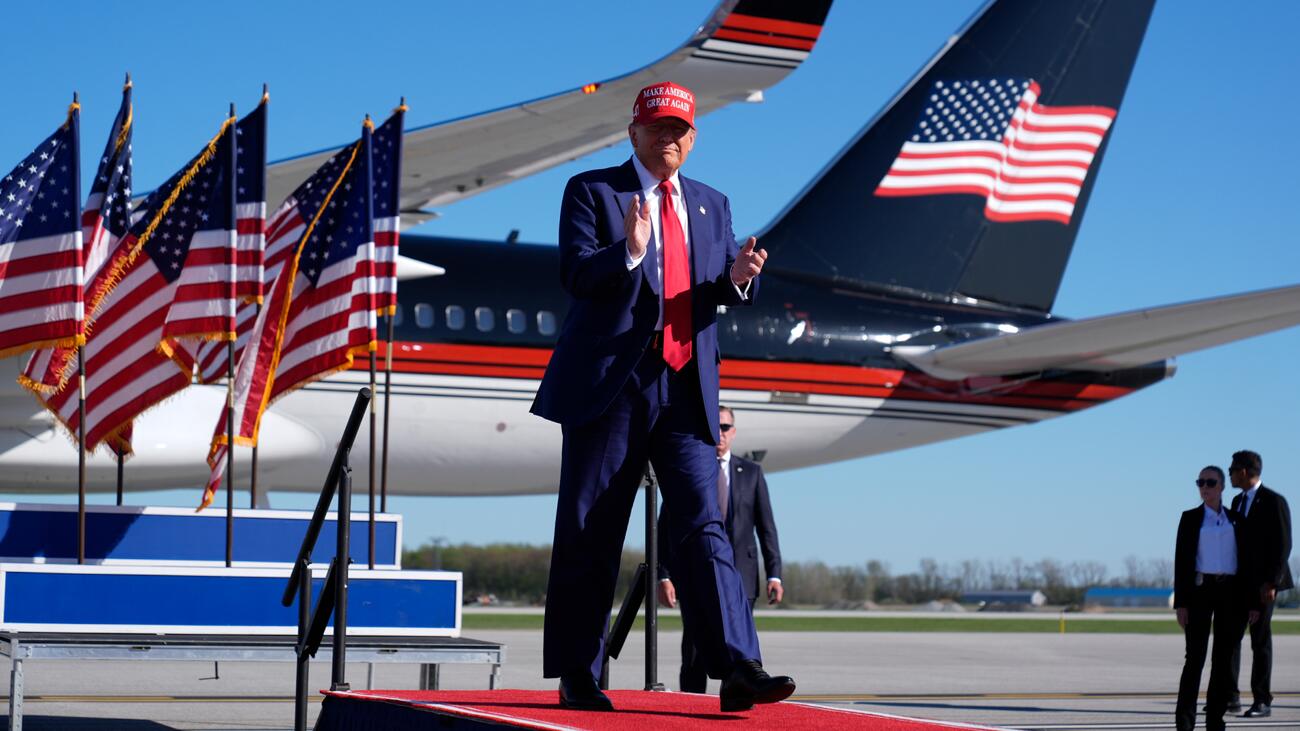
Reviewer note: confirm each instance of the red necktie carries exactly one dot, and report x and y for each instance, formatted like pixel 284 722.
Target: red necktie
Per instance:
pixel 677 283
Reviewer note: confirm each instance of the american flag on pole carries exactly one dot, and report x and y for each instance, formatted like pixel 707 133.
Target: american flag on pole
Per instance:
pixel 320 312
pixel 40 246
pixel 104 221
pixel 169 279
pixel 387 151
pixel 993 138
pixel 250 192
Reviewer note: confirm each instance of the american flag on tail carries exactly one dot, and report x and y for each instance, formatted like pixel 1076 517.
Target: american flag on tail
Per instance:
pixel 40 246
pixel 993 139
pixel 250 192
pixel 171 278
pixel 387 151
pixel 320 311
pixel 104 222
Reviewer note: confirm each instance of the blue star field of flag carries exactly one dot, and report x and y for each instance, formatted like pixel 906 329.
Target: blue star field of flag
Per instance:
pixel 39 197
pixel 113 178
pixel 203 205
pixel 345 224
pixel 250 151
pixel 386 149
pixel 959 111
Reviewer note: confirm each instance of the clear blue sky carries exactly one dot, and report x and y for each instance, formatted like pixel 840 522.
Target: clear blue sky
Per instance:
pixel 1197 197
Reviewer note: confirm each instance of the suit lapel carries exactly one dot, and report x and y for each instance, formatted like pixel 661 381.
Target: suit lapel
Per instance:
pixel 697 216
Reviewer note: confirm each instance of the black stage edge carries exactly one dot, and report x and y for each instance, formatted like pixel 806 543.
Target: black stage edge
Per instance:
pixel 351 714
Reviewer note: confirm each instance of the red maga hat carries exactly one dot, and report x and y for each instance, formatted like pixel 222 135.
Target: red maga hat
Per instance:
pixel 661 100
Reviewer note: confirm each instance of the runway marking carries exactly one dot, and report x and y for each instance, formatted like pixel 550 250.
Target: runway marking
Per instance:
pixel 156 699
pixel 1243 723
pixel 868 697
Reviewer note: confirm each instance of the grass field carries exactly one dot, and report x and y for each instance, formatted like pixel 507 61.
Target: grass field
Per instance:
pixel 867 623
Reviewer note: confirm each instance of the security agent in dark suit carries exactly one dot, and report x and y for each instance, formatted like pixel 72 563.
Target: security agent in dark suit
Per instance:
pixel 647 256
pixel 1207 593
pixel 1264 535
pixel 747 510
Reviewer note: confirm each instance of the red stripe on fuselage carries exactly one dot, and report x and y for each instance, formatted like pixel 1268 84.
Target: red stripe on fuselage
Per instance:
pixel 772 25
pixel 499 361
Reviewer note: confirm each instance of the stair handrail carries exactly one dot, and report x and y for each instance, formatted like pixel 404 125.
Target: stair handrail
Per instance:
pixel 327 493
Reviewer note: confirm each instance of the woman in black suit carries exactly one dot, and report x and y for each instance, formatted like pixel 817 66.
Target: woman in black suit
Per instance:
pixel 1207 595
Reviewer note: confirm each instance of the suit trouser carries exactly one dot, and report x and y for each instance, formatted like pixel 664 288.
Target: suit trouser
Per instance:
pixel 694 675
pixel 1261 653
pixel 1215 605
pixel 658 416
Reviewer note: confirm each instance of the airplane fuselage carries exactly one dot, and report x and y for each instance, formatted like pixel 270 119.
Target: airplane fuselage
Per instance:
pixel 808 369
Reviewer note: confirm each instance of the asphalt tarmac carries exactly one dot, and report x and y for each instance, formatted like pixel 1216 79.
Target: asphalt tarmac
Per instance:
pixel 1021 681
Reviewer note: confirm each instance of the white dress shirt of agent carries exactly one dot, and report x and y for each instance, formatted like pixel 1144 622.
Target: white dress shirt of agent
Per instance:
pixel 760 519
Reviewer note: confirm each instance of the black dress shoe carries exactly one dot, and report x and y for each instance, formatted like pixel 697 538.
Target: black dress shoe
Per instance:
pixel 1258 710
pixel 580 693
pixel 749 684
pixel 1232 707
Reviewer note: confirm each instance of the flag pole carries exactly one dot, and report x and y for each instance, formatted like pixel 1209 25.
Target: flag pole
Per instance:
pixel 230 355
pixel 370 552
pixel 252 485
pixel 74 119
pixel 388 339
pixel 388 392
pixel 118 451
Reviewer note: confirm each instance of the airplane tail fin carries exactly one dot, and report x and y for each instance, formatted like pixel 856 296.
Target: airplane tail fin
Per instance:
pixel 971 184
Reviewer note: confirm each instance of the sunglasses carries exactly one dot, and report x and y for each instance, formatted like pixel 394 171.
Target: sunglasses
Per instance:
pixel 724 428
pixel 1207 483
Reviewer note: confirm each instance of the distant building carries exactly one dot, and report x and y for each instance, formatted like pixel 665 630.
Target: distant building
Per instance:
pixel 1029 598
pixel 1118 596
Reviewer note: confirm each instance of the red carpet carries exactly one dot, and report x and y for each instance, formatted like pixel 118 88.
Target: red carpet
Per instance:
pixel 635 709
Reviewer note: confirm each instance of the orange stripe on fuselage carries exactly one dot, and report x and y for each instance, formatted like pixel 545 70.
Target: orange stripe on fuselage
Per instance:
pixel 503 361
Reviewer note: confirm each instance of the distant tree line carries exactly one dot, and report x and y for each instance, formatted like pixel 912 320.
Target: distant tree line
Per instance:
pixel 513 572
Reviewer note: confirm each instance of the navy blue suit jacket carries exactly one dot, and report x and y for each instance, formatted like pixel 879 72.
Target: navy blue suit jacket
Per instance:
pixel 613 311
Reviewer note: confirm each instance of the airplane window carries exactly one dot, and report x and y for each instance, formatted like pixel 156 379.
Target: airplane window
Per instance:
pixel 397 316
pixel 516 321
pixel 423 315
pixel 484 319
pixel 546 322
pixel 455 317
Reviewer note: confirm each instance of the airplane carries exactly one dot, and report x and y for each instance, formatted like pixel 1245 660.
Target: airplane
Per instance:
pixel 894 314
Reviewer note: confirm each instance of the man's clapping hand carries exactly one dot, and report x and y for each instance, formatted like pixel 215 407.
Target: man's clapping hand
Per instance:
pixel 636 224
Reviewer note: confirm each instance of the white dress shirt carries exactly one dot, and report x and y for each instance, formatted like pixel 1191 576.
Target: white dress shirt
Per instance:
pixel 652 198
pixel 1216 551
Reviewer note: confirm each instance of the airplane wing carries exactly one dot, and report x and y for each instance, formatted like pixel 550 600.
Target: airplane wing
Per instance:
pixel 1113 342
pixel 742 48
